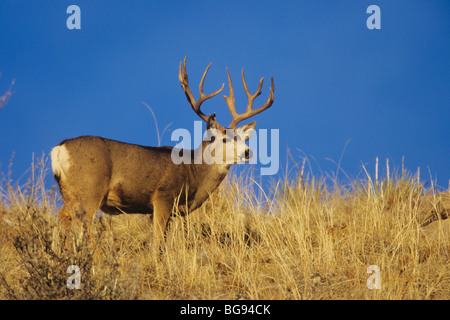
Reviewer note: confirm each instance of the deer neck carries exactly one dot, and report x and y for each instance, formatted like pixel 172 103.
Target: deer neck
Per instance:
pixel 209 171
pixel 209 176
pixel 204 179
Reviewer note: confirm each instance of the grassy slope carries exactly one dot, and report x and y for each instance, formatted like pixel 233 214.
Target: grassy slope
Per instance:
pixel 305 240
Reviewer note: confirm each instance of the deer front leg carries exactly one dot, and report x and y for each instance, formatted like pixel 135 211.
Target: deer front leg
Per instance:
pixel 161 214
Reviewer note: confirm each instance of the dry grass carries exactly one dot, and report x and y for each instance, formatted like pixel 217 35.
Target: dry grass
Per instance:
pixel 7 94
pixel 305 240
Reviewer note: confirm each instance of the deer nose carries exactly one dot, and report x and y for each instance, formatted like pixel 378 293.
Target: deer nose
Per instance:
pixel 248 154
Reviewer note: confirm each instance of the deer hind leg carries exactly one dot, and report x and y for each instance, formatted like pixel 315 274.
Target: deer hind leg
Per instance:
pixel 80 207
pixel 83 185
pixel 66 216
pixel 70 207
pixel 90 203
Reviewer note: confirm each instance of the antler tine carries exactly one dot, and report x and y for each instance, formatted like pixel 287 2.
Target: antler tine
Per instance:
pixel 183 77
pixel 230 99
pixel 206 97
pixel 251 97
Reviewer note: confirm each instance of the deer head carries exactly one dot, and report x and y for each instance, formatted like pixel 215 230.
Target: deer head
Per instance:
pixel 225 145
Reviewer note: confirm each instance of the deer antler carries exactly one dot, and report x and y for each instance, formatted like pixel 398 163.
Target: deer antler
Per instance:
pixel 183 77
pixel 251 97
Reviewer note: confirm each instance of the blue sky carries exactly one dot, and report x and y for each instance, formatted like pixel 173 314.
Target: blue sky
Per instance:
pixel 343 93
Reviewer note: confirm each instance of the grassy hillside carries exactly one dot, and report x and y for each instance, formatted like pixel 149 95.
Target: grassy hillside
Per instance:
pixel 304 239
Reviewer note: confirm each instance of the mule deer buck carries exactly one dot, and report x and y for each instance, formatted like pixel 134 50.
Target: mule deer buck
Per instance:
pixel 97 173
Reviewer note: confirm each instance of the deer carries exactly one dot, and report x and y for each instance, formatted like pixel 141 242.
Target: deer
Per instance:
pixel 95 173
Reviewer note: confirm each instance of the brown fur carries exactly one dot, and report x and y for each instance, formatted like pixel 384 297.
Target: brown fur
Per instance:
pixel 119 177
pixel 96 173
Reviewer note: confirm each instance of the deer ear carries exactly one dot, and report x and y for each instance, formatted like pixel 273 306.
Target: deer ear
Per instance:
pixel 211 122
pixel 247 129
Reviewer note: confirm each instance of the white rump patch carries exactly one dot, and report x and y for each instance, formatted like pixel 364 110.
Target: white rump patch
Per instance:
pixel 60 161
